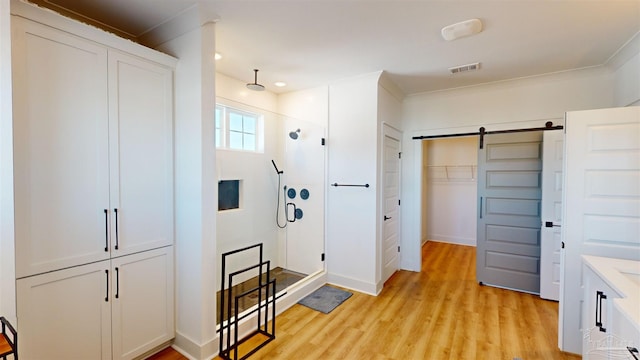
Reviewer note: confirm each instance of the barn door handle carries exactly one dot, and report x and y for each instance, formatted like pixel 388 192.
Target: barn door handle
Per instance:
pixel 480 207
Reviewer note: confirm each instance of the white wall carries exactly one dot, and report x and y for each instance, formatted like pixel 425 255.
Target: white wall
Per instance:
pixel 627 83
pixel 311 105
pixel 451 190
pixel 7 261
pixel 625 65
pixel 351 211
pixel 196 200
pixel 510 104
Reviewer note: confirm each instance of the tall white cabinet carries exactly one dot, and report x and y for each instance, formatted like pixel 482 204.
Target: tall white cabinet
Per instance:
pixel 94 198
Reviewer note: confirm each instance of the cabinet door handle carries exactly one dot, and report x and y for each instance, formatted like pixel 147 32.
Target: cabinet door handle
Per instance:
pixel 106 230
pixel 599 297
pixel 115 211
pixel 106 298
pixel 117 283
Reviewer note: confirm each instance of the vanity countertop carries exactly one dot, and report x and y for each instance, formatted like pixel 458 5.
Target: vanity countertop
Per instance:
pixel 624 277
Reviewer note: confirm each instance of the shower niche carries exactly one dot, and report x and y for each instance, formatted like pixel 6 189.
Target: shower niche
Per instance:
pixel 290 158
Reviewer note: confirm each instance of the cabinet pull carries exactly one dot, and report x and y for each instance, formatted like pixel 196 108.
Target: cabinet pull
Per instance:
pixel 599 297
pixel 106 230
pixel 106 298
pixel 116 213
pixel 117 283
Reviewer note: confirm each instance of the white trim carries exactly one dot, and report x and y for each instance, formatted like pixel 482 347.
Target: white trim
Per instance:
pixel 354 284
pixel 452 240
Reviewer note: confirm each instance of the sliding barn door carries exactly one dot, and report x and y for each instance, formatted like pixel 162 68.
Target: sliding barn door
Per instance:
pixel 509 189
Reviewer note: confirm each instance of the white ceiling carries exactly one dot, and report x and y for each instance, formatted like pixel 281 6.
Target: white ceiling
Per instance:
pixel 309 43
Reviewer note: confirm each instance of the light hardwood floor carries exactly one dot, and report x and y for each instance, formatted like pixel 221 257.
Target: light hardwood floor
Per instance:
pixel 439 313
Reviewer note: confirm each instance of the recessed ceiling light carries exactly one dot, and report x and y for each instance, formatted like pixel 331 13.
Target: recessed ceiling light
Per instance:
pixel 280 84
pixel 217 56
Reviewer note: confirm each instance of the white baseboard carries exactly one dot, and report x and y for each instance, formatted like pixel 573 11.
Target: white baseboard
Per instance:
pixel 453 240
pixel 354 284
pixel 209 350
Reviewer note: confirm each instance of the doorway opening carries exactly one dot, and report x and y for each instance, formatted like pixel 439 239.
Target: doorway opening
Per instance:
pixel 449 190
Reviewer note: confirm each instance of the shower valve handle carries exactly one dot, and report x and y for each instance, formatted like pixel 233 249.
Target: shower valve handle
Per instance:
pixel 294 212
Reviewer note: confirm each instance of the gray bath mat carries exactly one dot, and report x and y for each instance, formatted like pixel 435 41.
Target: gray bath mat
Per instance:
pixel 325 299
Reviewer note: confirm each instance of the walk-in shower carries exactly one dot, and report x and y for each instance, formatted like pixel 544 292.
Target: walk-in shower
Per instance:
pixel 283 178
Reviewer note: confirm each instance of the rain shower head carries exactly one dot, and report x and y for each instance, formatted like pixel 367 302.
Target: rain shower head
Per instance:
pixel 255 86
pixel 294 134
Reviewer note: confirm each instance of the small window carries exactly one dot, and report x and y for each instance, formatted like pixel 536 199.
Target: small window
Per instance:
pixel 237 129
pixel 228 194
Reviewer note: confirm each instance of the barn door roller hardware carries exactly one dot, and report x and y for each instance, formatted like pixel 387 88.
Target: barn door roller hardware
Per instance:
pixel 547 126
pixel 482 132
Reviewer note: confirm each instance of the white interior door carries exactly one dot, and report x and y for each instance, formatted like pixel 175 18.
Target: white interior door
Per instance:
pixel 391 206
pixel 601 214
pixel 550 233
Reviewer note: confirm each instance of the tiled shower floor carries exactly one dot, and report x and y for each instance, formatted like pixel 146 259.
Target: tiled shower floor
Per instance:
pixel 284 278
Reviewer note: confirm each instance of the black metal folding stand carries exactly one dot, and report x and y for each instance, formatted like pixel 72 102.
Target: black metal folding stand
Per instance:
pixel 229 323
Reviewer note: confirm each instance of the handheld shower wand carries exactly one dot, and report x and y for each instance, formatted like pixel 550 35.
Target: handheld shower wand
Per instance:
pixel 284 198
pixel 275 167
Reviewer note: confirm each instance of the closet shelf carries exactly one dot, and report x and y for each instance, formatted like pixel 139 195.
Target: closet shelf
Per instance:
pixel 452 173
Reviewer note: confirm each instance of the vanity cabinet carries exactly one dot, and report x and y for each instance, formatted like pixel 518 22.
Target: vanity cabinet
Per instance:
pixel 94 191
pixel 113 309
pixel 610 316
pixel 597 316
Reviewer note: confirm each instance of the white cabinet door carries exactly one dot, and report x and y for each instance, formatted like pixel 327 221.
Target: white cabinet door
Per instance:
pixel 65 314
pixel 141 153
pixel 61 149
pixel 142 302
pixel 597 320
pixel 625 335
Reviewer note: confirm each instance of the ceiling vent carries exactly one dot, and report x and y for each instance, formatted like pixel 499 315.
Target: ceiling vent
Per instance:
pixel 463 68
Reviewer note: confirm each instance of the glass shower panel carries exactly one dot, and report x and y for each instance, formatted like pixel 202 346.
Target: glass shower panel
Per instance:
pixel 294 251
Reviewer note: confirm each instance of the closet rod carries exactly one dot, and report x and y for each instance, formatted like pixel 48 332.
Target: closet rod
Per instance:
pixel 548 126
